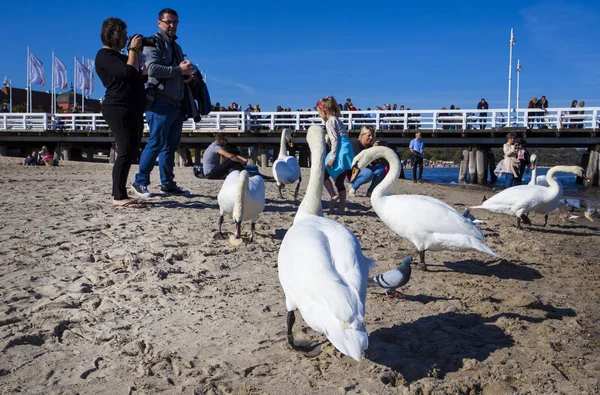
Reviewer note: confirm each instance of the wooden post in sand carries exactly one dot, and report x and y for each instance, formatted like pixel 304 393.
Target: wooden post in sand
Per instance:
pixel 592 169
pixel 304 155
pixel 472 166
pixel 90 154
pixel 464 166
pixel 3 150
pixel 264 159
pixel 481 173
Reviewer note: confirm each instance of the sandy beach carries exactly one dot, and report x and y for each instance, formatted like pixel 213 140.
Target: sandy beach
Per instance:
pixel 143 301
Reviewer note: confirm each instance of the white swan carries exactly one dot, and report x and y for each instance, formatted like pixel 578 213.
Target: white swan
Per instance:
pixel 286 169
pixel 428 223
pixel 242 197
pixel 322 269
pixel 535 179
pixel 522 199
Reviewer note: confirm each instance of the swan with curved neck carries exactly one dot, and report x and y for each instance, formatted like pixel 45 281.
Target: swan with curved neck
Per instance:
pixel 286 169
pixel 322 269
pixel 522 199
pixel 428 223
pixel 243 197
pixel 535 179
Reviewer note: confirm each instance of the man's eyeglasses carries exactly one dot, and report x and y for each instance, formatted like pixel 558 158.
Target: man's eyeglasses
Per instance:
pixel 174 23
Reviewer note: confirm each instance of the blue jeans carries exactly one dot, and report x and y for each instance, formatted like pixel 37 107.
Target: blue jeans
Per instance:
pixel 165 122
pixel 510 180
pixel 376 173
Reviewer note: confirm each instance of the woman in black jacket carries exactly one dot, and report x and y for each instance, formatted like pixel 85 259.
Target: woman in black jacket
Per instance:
pixel 124 102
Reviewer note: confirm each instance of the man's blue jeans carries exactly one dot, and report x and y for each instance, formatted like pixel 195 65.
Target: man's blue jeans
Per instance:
pixel 165 122
pixel 376 173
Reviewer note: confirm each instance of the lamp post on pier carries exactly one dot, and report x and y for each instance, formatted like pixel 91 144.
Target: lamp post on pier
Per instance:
pixel 8 85
pixel 518 85
pixel 511 44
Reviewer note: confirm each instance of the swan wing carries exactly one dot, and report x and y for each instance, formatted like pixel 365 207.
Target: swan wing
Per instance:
pixel 324 275
pixel 228 192
pixel 418 217
pixel 286 170
pixel 516 200
pixel 254 204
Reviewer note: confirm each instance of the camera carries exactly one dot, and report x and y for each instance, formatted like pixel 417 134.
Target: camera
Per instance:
pixel 148 41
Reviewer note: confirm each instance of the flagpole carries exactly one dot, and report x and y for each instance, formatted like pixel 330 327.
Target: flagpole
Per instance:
pixel 74 82
pixel 28 75
pixel 53 89
pixel 83 89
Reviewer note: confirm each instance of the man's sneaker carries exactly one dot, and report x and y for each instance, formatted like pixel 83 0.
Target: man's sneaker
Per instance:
pixel 141 190
pixel 174 191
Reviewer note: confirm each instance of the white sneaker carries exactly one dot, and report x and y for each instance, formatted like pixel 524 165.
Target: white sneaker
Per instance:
pixel 352 191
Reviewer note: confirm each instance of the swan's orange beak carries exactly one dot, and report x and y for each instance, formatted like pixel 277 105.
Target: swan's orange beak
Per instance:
pixel 585 177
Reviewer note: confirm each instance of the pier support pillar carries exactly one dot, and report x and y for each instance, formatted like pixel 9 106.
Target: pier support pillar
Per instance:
pixel 585 158
pixel 464 166
pixel 491 165
pixel 90 154
pixel 304 155
pixel 264 158
pixel 472 166
pixel 66 153
pixel 3 150
pixel 253 154
pixel 198 155
pixel 480 158
pixel 592 169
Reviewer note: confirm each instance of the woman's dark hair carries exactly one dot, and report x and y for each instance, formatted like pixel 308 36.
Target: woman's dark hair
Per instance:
pixel 112 30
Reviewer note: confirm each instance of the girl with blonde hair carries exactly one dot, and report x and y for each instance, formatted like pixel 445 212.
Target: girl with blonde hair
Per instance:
pixel 340 157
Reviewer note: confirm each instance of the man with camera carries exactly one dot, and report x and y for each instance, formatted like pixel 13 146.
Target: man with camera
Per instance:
pixel 168 72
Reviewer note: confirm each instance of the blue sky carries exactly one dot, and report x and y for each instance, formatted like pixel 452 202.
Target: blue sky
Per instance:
pixel 424 55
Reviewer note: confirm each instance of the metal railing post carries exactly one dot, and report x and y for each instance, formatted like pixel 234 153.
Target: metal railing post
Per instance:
pixel 45 121
pixel 243 115
pixel 272 127
pixel 378 121
pixel 595 119
pixel 297 115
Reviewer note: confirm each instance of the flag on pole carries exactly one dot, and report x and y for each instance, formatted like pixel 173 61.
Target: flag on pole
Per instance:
pixel 82 75
pixel 36 70
pixel 90 64
pixel 60 74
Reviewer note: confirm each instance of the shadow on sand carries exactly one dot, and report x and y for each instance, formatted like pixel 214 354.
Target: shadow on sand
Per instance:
pixel 436 345
pixel 501 268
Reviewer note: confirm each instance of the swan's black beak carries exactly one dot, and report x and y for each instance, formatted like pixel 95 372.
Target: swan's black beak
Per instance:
pixel 237 229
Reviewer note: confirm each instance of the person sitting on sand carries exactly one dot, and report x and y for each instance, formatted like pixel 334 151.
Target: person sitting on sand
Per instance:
pixel 31 159
pixel 212 166
pixel 44 157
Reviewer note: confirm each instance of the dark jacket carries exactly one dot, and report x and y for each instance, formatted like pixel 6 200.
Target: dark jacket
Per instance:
pixel 483 106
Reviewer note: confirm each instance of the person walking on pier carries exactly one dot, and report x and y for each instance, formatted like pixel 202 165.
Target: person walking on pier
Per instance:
pixel 168 72
pixel 482 105
pixel 416 146
pixel 124 101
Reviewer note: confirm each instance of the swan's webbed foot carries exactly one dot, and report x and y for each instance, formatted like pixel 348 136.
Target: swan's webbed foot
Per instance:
pixel 310 349
pixel 393 294
pixel 546 220
pixel 279 189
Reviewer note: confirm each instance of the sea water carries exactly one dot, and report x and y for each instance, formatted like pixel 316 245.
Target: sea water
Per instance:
pixel 576 194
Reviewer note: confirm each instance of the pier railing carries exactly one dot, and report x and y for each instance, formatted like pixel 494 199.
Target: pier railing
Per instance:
pixel 551 118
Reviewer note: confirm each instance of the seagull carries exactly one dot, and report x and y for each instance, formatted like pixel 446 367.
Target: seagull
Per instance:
pixel 393 279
